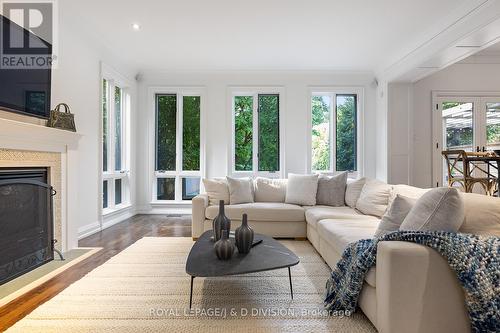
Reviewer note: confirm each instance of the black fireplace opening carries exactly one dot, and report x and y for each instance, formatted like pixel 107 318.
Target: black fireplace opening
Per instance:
pixel 26 221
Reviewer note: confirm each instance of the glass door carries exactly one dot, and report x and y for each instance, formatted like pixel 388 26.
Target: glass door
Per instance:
pixel 464 123
pixel 455 129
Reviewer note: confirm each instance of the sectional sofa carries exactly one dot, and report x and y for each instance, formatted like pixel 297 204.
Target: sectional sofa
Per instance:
pixel 411 289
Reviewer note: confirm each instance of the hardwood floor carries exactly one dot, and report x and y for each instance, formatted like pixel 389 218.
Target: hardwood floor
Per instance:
pixel 113 240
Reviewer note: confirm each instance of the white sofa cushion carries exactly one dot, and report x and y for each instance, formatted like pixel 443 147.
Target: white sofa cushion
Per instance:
pixel 260 211
pixel 331 190
pixel 216 190
pixel 395 215
pixel 270 190
pixel 340 232
pixel 441 209
pixel 374 198
pixel 317 213
pixel 482 214
pixel 353 191
pixel 240 190
pixel 301 189
pixel 407 191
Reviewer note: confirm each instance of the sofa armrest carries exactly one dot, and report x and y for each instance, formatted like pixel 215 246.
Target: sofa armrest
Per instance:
pixel 198 204
pixel 417 291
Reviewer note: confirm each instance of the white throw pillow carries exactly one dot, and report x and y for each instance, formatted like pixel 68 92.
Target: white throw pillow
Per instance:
pixel 240 190
pixel 395 215
pixel 374 198
pixel 270 190
pixel 353 191
pixel 301 189
pixel 482 214
pixel 216 190
pixel 331 190
pixel 406 191
pixel 440 209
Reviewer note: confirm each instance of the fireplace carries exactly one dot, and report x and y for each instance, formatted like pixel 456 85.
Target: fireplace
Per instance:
pixel 26 221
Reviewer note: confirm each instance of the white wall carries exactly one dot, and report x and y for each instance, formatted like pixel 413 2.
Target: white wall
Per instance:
pixel 468 77
pixel 296 86
pixel 77 82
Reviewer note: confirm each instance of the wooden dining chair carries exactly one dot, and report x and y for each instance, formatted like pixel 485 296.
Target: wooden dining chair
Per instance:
pixel 461 171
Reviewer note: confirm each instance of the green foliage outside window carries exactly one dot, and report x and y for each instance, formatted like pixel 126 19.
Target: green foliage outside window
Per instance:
pixel 243 129
pixel 269 135
pixel 321 133
pixel 166 131
pixel 346 133
pixel 191 133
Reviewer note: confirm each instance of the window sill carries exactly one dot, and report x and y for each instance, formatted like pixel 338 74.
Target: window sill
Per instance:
pixel 118 209
pixel 171 203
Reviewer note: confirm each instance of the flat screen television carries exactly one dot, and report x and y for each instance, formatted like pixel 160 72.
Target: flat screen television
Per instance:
pixel 25 91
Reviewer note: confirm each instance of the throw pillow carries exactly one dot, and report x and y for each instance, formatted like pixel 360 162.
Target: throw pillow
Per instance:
pixel 270 190
pixel 353 190
pixel 407 191
pixel 216 190
pixel 331 190
pixel 440 209
pixel 301 189
pixel 395 215
pixel 240 190
pixel 374 198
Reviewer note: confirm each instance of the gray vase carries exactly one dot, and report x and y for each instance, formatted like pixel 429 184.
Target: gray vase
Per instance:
pixel 220 223
pixel 224 248
pixel 244 236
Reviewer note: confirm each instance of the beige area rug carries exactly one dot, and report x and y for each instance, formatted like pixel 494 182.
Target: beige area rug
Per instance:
pixel 145 289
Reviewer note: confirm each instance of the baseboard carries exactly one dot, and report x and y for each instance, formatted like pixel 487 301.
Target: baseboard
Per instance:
pixel 164 210
pixel 88 230
pixel 108 221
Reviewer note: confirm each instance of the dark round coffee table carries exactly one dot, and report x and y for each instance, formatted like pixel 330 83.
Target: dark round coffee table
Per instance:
pixel 266 256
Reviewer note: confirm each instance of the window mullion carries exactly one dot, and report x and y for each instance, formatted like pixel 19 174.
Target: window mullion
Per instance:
pixel 333 133
pixel 255 134
pixel 178 160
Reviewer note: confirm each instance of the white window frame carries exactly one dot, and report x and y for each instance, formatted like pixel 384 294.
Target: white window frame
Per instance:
pixel 115 79
pixel 255 92
pixel 178 174
pixel 479 100
pixel 333 92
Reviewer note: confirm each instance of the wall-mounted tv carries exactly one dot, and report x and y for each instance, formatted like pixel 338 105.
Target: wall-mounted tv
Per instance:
pixel 25 90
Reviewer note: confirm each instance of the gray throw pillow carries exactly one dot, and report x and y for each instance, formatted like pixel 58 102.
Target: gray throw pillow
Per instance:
pixel 440 209
pixel 395 215
pixel 331 190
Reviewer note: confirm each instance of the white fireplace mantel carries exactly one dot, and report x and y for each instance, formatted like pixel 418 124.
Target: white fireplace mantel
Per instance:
pixel 17 135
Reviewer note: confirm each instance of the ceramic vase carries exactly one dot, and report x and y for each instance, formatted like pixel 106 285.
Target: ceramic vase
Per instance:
pixel 224 248
pixel 244 236
pixel 220 223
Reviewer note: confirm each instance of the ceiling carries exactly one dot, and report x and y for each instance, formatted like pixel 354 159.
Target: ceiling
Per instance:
pixel 256 35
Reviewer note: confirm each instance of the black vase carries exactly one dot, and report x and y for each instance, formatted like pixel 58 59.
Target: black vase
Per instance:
pixel 220 223
pixel 224 248
pixel 244 236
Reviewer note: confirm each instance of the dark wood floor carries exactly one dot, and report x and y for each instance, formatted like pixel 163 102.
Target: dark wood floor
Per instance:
pixel 113 240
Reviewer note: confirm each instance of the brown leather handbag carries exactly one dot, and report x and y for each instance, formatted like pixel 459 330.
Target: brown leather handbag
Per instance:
pixel 62 120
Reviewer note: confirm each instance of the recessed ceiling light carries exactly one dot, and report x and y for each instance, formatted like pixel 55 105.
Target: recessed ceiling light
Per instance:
pixel 136 26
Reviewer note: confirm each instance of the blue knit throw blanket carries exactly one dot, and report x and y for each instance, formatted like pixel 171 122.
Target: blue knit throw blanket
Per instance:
pixel 474 259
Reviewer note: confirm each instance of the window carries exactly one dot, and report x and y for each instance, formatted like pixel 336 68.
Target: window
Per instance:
pixel 256 133
pixel 467 122
pixel 177 173
pixel 115 101
pixel 334 132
